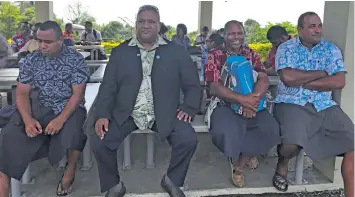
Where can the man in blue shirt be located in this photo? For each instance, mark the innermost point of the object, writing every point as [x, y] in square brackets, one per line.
[310, 68]
[50, 110]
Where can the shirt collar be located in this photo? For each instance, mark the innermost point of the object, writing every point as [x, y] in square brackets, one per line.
[299, 43]
[135, 42]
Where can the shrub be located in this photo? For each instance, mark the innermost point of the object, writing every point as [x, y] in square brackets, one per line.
[109, 45]
[262, 49]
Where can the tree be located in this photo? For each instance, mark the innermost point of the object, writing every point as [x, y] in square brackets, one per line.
[77, 13]
[28, 15]
[9, 18]
[112, 29]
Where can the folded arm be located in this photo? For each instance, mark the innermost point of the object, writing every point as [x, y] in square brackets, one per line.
[328, 83]
[296, 78]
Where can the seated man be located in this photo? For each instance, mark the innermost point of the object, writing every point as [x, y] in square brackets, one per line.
[276, 35]
[92, 37]
[310, 68]
[32, 44]
[49, 123]
[240, 137]
[139, 91]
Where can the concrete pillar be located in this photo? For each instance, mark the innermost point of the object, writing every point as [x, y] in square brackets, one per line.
[44, 11]
[205, 14]
[338, 26]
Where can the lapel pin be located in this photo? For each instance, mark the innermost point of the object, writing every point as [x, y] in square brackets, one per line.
[158, 57]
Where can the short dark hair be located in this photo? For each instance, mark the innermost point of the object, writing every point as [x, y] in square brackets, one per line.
[88, 23]
[149, 8]
[47, 25]
[235, 22]
[276, 32]
[300, 22]
[216, 38]
[37, 25]
[68, 24]
[221, 30]
[163, 28]
[182, 27]
[205, 28]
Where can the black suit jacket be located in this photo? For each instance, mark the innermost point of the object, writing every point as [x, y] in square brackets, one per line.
[173, 70]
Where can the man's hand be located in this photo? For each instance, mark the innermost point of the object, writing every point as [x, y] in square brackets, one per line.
[54, 126]
[183, 116]
[32, 127]
[101, 127]
[250, 101]
[248, 113]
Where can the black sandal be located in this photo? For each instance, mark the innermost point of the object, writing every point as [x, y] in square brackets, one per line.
[280, 182]
[60, 185]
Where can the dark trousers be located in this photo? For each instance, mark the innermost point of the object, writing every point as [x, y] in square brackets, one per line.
[17, 150]
[183, 141]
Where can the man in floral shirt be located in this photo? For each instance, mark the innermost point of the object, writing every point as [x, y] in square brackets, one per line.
[240, 137]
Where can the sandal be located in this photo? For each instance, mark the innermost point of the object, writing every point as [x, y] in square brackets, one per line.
[60, 190]
[280, 182]
[253, 163]
[237, 175]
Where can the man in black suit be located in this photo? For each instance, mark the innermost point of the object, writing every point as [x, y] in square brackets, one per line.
[141, 89]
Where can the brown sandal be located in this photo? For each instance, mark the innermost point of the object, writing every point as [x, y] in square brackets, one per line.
[237, 175]
[253, 163]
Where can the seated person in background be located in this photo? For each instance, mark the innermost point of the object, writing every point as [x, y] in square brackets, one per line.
[50, 111]
[68, 31]
[181, 37]
[240, 137]
[20, 39]
[68, 35]
[276, 35]
[163, 30]
[310, 68]
[215, 46]
[32, 44]
[92, 37]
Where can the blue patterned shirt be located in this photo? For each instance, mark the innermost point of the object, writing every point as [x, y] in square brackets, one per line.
[323, 56]
[54, 76]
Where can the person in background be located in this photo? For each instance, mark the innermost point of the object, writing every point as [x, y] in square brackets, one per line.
[68, 31]
[21, 38]
[221, 32]
[214, 42]
[215, 45]
[202, 37]
[32, 44]
[92, 37]
[163, 30]
[310, 69]
[181, 36]
[276, 36]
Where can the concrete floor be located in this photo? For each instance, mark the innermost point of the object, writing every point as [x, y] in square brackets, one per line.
[208, 170]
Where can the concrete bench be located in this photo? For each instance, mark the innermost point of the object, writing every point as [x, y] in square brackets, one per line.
[200, 127]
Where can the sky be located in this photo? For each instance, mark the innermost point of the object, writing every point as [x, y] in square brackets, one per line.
[174, 12]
